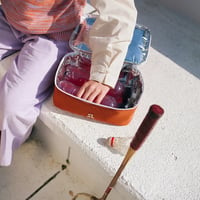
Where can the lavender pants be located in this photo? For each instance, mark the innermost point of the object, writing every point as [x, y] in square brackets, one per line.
[27, 83]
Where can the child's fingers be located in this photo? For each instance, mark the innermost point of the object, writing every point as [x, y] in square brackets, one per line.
[100, 97]
[93, 91]
[80, 92]
[93, 95]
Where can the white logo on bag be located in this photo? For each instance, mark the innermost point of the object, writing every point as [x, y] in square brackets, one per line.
[91, 116]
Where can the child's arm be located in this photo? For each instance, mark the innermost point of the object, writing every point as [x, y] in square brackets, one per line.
[109, 39]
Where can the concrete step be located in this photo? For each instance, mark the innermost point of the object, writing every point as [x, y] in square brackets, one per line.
[32, 175]
[167, 165]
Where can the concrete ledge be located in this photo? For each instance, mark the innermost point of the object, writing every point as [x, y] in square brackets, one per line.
[167, 165]
[85, 164]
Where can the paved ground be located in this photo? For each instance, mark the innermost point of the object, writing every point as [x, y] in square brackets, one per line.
[32, 175]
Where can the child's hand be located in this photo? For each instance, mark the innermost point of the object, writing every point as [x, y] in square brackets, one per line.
[93, 91]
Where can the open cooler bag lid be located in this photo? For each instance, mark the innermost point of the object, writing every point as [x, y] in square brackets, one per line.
[138, 48]
[130, 79]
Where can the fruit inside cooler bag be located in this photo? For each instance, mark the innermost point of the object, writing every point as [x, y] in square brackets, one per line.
[120, 103]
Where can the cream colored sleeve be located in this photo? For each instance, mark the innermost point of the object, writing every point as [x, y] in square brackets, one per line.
[110, 37]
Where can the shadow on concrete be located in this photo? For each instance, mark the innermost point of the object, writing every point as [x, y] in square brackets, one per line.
[173, 35]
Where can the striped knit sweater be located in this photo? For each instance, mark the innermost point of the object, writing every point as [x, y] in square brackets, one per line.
[56, 18]
[108, 39]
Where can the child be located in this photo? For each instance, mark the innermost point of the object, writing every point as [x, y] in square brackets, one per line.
[39, 31]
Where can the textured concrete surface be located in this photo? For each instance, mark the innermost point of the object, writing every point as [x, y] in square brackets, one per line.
[167, 165]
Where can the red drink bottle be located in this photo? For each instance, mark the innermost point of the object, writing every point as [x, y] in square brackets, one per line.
[109, 101]
[69, 87]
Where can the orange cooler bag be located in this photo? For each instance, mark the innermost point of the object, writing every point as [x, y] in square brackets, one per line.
[119, 105]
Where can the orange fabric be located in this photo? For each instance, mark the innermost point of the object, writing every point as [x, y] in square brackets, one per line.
[96, 112]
